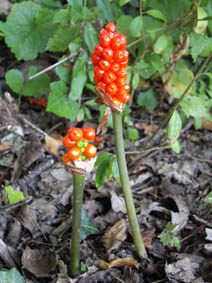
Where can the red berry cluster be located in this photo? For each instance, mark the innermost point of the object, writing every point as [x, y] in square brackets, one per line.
[78, 141]
[110, 59]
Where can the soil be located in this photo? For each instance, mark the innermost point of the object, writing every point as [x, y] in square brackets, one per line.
[167, 187]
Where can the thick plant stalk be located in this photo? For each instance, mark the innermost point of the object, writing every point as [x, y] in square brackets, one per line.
[78, 185]
[119, 143]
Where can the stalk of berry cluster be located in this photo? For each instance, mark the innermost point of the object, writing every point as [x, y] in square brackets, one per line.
[78, 187]
[123, 172]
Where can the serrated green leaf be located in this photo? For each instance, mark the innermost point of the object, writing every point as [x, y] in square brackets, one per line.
[135, 80]
[90, 36]
[194, 106]
[15, 80]
[123, 2]
[87, 227]
[61, 39]
[157, 14]
[132, 134]
[59, 103]
[77, 85]
[160, 44]
[136, 26]
[11, 276]
[13, 196]
[80, 63]
[174, 126]
[37, 86]
[28, 29]
[62, 17]
[105, 10]
[147, 99]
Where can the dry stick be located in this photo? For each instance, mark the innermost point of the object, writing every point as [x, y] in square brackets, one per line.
[163, 123]
[78, 186]
[53, 66]
[123, 172]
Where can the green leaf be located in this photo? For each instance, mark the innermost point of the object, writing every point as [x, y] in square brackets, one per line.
[175, 146]
[101, 157]
[80, 63]
[160, 44]
[63, 73]
[59, 103]
[174, 126]
[145, 69]
[136, 26]
[87, 227]
[115, 170]
[37, 86]
[157, 14]
[15, 80]
[90, 36]
[77, 85]
[102, 172]
[135, 80]
[62, 17]
[105, 10]
[61, 39]
[81, 114]
[88, 113]
[11, 276]
[147, 99]
[123, 23]
[75, 45]
[28, 29]
[13, 196]
[123, 2]
[200, 45]
[194, 106]
[132, 134]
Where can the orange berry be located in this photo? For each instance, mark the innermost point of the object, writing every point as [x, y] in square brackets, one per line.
[65, 158]
[111, 89]
[101, 85]
[122, 95]
[89, 133]
[90, 150]
[74, 153]
[110, 27]
[67, 142]
[76, 134]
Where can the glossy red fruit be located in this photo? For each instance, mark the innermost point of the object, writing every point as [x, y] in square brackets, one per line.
[124, 63]
[76, 134]
[89, 133]
[111, 89]
[114, 67]
[118, 42]
[101, 85]
[126, 87]
[74, 153]
[98, 72]
[109, 77]
[104, 65]
[95, 59]
[67, 142]
[110, 27]
[120, 55]
[122, 73]
[104, 38]
[98, 50]
[90, 151]
[96, 79]
[123, 96]
[116, 101]
[120, 82]
[65, 158]
[107, 53]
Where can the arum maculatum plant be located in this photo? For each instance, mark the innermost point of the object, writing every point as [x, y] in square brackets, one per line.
[110, 59]
[80, 159]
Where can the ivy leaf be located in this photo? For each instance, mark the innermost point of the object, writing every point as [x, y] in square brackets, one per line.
[90, 36]
[13, 196]
[15, 80]
[61, 39]
[105, 10]
[147, 99]
[11, 276]
[136, 26]
[59, 103]
[86, 227]
[28, 29]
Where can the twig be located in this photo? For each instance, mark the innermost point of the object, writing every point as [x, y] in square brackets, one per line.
[54, 65]
[141, 10]
[163, 123]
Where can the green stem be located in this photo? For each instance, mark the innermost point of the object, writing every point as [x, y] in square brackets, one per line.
[119, 143]
[78, 185]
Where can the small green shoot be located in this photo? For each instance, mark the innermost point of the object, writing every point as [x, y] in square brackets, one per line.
[13, 196]
[83, 267]
[167, 238]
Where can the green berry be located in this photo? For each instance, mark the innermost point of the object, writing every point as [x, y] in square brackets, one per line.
[83, 158]
[82, 149]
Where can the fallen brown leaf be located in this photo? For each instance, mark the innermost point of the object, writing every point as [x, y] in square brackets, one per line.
[115, 235]
[5, 146]
[148, 129]
[206, 124]
[119, 262]
[52, 144]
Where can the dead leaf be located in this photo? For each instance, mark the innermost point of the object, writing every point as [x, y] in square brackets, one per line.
[39, 262]
[119, 262]
[28, 219]
[52, 144]
[148, 129]
[6, 146]
[209, 234]
[147, 239]
[117, 203]
[104, 121]
[104, 98]
[206, 124]
[115, 235]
